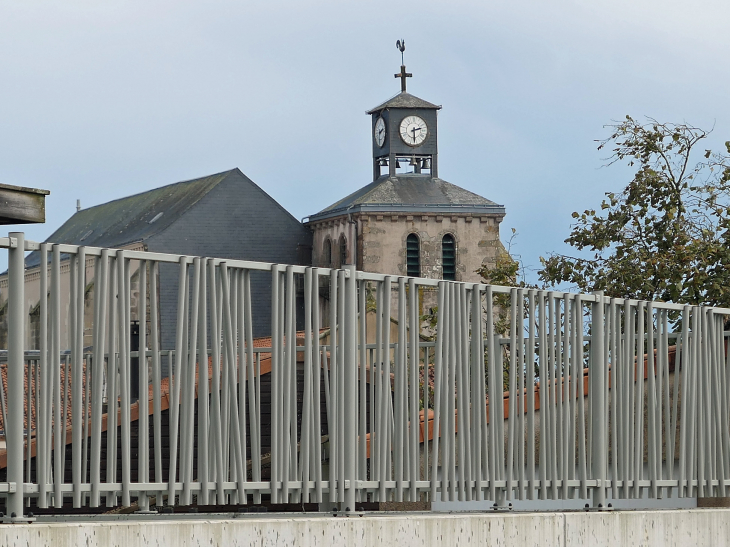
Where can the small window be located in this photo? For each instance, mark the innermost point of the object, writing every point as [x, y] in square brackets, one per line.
[413, 256]
[35, 327]
[448, 257]
[327, 253]
[343, 250]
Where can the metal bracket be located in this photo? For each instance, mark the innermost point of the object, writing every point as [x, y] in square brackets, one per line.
[18, 520]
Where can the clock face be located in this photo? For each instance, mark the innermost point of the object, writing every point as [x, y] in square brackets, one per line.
[413, 130]
[379, 132]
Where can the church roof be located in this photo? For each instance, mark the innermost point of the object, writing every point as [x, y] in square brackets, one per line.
[404, 100]
[133, 218]
[411, 193]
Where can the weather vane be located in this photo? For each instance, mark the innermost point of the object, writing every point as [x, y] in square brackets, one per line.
[401, 46]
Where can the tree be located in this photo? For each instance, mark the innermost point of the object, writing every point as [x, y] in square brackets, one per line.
[666, 235]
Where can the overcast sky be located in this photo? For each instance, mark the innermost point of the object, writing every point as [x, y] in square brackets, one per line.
[100, 100]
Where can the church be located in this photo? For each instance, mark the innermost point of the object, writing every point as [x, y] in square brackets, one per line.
[407, 221]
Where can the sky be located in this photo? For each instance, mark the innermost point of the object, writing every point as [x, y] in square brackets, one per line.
[100, 100]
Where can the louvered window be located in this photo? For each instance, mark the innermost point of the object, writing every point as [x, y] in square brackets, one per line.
[343, 250]
[413, 256]
[327, 253]
[448, 257]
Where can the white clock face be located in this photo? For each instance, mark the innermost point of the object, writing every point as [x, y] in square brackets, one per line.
[413, 130]
[379, 133]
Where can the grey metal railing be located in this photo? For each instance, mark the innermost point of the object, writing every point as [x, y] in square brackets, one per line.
[518, 394]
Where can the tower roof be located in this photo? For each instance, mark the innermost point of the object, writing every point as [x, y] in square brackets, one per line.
[404, 100]
[411, 193]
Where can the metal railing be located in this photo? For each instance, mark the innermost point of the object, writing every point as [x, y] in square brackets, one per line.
[520, 393]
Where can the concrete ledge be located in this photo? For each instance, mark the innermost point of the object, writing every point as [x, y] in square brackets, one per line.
[696, 527]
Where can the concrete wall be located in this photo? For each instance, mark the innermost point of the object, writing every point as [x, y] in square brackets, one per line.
[698, 528]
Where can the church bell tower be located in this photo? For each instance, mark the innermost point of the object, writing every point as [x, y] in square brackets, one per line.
[405, 133]
[408, 220]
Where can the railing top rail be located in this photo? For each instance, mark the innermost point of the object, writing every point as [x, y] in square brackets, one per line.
[11, 242]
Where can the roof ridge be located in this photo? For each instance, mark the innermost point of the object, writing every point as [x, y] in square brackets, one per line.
[228, 171]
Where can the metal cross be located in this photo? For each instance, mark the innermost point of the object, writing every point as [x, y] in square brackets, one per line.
[403, 75]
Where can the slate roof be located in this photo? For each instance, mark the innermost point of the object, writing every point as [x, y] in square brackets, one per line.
[411, 193]
[133, 218]
[404, 100]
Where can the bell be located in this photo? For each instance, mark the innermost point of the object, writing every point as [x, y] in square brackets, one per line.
[413, 161]
[397, 163]
[426, 164]
[383, 163]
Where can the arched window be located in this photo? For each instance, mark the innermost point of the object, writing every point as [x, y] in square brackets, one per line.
[448, 257]
[343, 250]
[413, 256]
[327, 253]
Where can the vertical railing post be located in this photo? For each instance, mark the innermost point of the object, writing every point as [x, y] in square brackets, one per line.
[597, 391]
[350, 381]
[16, 391]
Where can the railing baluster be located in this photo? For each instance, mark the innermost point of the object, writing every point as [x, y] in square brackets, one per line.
[176, 376]
[361, 314]
[614, 416]
[143, 436]
[384, 385]
[400, 410]
[530, 393]
[237, 462]
[308, 433]
[156, 378]
[253, 394]
[438, 364]
[112, 389]
[341, 402]
[453, 340]
[580, 381]
[125, 322]
[463, 402]
[350, 388]
[44, 422]
[331, 369]
[203, 445]
[16, 344]
[216, 422]
[495, 399]
[101, 273]
[187, 441]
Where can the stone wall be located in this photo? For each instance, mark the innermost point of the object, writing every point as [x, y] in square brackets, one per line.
[384, 242]
[381, 242]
